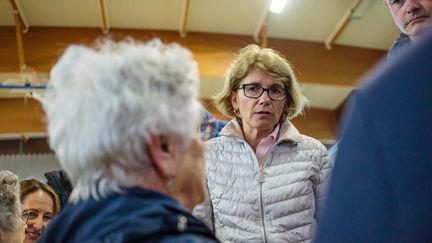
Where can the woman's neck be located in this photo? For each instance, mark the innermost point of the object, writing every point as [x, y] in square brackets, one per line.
[254, 136]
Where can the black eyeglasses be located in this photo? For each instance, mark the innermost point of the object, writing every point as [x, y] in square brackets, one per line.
[255, 91]
[25, 217]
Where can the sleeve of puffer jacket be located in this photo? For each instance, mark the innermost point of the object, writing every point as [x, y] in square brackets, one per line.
[320, 188]
[204, 212]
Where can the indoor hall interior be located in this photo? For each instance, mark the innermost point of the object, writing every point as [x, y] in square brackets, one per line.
[330, 43]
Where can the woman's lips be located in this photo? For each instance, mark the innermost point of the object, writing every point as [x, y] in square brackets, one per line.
[264, 113]
[32, 235]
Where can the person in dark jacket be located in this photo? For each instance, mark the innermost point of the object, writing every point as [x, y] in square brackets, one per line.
[210, 126]
[123, 119]
[412, 17]
[380, 189]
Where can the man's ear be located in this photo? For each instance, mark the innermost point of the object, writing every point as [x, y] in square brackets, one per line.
[161, 156]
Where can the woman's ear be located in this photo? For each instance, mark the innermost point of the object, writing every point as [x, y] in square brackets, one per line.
[161, 156]
[233, 99]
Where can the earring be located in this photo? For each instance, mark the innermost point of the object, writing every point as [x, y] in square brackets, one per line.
[283, 117]
[237, 113]
[170, 184]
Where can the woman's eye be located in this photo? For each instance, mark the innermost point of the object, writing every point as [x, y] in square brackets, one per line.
[253, 89]
[276, 91]
[32, 215]
[47, 217]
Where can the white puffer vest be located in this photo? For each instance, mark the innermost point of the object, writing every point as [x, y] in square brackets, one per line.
[275, 202]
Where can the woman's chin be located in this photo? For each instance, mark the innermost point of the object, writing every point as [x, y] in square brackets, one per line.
[264, 124]
[30, 238]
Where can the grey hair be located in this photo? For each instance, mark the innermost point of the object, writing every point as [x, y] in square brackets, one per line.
[10, 207]
[103, 103]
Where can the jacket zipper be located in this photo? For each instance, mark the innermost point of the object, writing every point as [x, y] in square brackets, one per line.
[261, 181]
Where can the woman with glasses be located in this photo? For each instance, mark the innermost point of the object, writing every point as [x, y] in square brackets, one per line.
[11, 225]
[39, 205]
[265, 180]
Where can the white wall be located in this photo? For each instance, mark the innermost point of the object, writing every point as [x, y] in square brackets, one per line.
[28, 166]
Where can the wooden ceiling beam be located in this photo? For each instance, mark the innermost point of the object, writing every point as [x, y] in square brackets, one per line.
[213, 52]
[184, 19]
[103, 14]
[16, 6]
[264, 35]
[261, 31]
[343, 22]
[18, 34]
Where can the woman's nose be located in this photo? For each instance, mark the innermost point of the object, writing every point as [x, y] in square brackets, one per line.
[265, 97]
[38, 223]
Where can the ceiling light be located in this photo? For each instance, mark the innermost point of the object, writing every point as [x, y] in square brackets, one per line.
[276, 6]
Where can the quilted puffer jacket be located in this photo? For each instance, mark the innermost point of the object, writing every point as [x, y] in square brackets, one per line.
[275, 202]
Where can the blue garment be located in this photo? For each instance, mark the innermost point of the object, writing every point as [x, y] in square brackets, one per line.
[381, 189]
[400, 43]
[210, 127]
[332, 152]
[138, 215]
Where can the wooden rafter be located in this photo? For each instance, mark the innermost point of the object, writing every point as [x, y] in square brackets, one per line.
[261, 31]
[264, 34]
[340, 26]
[103, 14]
[18, 34]
[184, 20]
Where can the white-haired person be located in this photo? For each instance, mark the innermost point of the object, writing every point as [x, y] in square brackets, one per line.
[265, 179]
[123, 119]
[12, 225]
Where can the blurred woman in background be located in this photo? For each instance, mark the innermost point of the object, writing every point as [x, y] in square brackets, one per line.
[39, 205]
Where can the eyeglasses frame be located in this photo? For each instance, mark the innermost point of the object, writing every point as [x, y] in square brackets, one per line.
[263, 90]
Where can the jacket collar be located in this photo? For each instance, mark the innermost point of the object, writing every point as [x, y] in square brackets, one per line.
[287, 131]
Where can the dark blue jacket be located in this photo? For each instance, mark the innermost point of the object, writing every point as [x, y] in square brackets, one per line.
[381, 187]
[400, 43]
[210, 127]
[137, 216]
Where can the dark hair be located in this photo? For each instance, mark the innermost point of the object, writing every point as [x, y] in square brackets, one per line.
[33, 185]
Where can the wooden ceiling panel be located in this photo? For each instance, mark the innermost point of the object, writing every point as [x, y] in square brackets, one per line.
[306, 20]
[239, 17]
[76, 13]
[6, 15]
[309, 20]
[149, 14]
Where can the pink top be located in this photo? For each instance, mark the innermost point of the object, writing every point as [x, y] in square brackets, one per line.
[265, 144]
